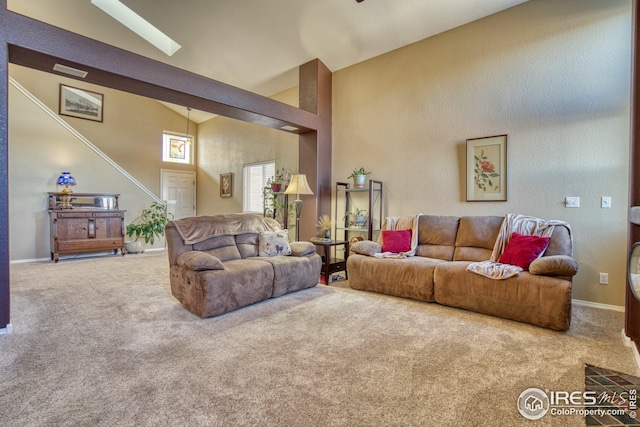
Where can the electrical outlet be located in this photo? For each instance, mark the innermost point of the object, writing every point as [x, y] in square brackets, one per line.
[604, 278]
[605, 202]
[572, 202]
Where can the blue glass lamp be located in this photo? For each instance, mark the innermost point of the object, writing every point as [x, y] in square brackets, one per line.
[67, 181]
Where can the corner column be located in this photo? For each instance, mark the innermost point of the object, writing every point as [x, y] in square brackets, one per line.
[315, 146]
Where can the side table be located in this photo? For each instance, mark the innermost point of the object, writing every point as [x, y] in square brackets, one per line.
[331, 264]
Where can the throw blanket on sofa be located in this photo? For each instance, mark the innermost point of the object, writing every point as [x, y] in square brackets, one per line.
[522, 224]
[401, 223]
[199, 228]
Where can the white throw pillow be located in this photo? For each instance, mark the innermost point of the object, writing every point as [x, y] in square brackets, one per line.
[274, 243]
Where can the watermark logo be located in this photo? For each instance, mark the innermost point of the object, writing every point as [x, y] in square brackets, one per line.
[533, 403]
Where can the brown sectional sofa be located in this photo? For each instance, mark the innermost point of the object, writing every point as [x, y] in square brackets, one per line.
[446, 245]
[215, 265]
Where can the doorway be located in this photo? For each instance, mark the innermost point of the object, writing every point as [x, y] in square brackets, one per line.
[178, 189]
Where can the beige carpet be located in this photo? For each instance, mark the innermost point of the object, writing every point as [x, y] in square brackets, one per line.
[101, 341]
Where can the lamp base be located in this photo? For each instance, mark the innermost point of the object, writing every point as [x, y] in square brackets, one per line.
[65, 199]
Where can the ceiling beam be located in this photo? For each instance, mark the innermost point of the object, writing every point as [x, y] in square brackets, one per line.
[38, 45]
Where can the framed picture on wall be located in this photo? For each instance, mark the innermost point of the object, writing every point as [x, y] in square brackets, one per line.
[80, 103]
[487, 169]
[226, 184]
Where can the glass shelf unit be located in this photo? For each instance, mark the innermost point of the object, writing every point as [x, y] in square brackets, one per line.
[349, 199]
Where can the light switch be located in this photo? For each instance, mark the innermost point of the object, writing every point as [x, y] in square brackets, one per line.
[572, 202]
[606, 202]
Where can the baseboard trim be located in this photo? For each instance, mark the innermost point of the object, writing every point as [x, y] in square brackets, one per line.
[7, 329]
[89, 255]
[634, 348]
[583, 303]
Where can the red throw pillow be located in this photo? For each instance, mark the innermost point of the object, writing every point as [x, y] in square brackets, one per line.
[523, 250]
[396, 241]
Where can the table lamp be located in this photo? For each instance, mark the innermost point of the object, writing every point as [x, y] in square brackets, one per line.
[67, 180]
[298, 186]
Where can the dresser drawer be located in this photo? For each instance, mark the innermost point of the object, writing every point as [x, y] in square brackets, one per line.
[88, 245]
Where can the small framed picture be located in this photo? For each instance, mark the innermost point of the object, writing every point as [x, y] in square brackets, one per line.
[226, 184]
[487, 169]
[81, 103]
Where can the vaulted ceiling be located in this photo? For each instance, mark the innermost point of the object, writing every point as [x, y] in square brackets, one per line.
[258, 45]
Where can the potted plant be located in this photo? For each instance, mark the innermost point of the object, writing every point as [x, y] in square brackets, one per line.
[281, 177]
[147, 226]
[360, 217]
[359, 176]
[324, 226]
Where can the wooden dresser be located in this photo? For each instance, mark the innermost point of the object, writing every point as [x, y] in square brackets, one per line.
[94, 223]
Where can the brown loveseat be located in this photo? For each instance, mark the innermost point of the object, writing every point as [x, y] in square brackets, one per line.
[216, 267]
[446, 246]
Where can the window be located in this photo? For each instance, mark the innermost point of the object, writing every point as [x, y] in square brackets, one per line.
[254, 179]
[177, 148]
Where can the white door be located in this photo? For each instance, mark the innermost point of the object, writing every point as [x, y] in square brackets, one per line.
[179, 191]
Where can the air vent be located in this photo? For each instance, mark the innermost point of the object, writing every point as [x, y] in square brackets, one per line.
[69, 70]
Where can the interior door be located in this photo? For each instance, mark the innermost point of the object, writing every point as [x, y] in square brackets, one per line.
[179, 191]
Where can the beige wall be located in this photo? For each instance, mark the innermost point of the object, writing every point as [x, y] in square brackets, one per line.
[226, 145]
[553, 75]
[40, 148]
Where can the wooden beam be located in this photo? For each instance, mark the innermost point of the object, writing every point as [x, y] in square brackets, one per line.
[315, 147]
[38, 45]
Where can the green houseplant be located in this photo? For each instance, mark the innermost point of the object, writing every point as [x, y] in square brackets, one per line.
[149, 225]
[359, 176]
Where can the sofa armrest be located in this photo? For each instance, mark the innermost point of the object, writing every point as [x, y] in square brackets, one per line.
[302, 248]
[554, 265]
[366, 247]
[197, 261]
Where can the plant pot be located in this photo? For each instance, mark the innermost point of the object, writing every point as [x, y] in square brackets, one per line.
[359, 180]
[276, 187]
[327, 233]
[135, 247]
[361, 220]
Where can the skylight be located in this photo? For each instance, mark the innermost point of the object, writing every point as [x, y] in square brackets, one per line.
[138, 25]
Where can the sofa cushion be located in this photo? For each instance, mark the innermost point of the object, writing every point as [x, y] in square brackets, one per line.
[476, 237]
[197, 260]
[410, 277]
[540, 300]
[274, 243]
[302, 248]
[554, 265]
[437, 236]
[292, 273]
[222, 247]
[247, 244]
[522, 250]
[396, 241]
[241, 283]
[366, 247]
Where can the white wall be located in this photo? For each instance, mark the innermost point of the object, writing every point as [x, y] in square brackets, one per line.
[40, 148]
[553, 75]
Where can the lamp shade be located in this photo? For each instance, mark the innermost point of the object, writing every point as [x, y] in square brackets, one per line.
[66, 179]
[298, 185]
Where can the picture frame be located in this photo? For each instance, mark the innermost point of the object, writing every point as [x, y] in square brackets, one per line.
[226, 184]
[81, 103]
[487, 169]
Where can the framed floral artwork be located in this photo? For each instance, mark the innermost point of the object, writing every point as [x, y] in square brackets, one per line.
[226, 184]
[487, 169]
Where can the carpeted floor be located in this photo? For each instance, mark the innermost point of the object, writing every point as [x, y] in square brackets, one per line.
[101, 341]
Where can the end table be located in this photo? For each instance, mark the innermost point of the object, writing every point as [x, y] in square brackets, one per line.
[332, 264]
